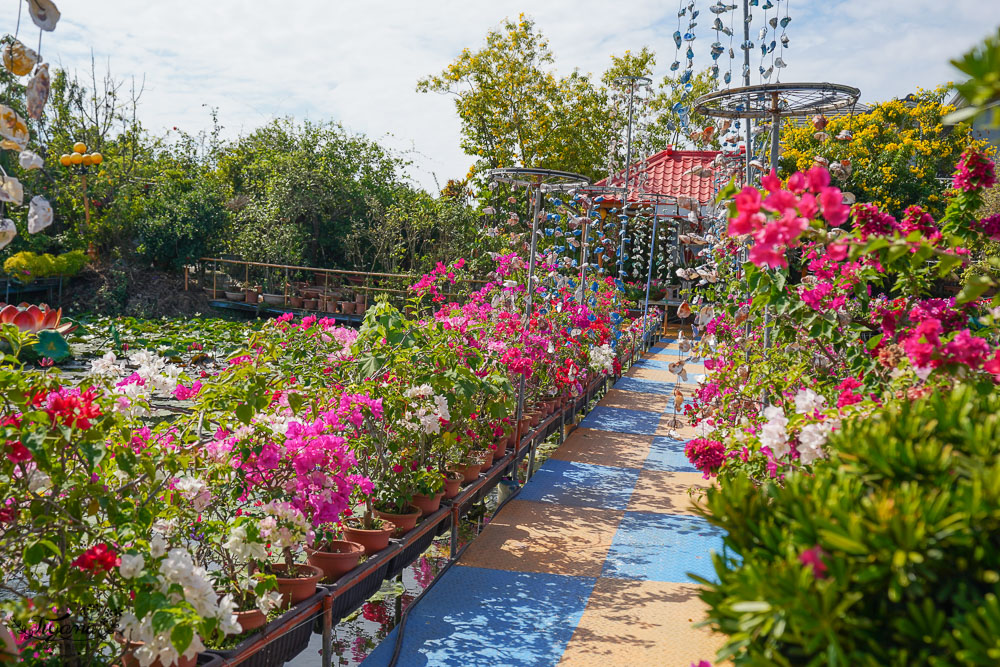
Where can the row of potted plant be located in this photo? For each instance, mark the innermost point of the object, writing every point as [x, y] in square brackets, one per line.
[192, 494]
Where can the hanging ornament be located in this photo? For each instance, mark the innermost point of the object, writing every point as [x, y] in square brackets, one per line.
[39, 214]
[11, 191]
[44, 14]
[13, 129]
[30, 161]
[18, 58]
[7, 232]
[38, 91]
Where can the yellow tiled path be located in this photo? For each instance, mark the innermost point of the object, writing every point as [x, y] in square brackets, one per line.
[588, 565]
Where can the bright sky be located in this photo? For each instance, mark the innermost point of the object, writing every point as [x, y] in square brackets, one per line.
[358, 62]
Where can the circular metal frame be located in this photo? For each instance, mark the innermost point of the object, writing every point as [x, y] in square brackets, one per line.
[777, 99]
[547, 180]
[640, 80]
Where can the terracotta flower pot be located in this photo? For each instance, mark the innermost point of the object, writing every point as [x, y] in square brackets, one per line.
[486, 459]
[337, 558]
[373, 540]
[295, 301]
[512, 439]
[331, 307]
[361, 308]
[309, 304]
[470, 472]
[298, 588]
[535, 418]
[252, 296]
[404, 522]
[251, 619]
[129, 660]
[525, 424]
[428, 504]
[501, 449]
[453, 484]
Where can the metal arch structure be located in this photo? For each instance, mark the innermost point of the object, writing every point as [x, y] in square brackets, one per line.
[544, 180]
[775, 101]
[541, 181]
[784, 99]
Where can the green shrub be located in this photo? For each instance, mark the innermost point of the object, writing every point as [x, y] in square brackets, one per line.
[28, 266]
[888, 554]
[70, 263]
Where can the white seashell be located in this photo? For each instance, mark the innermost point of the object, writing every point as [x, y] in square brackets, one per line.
[29, 160]
[44, 14]
[18, 58]
[38, 91]
[13, 128]
[7, 232]
[39, 214]
[12, 191]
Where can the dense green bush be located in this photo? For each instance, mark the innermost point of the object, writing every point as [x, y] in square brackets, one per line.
[888, 554]
[28, 266]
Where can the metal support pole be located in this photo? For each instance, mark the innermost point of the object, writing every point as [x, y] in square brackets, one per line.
[649, 274]
[328, 631]
[454, 530]
[583, 251]
[628, 173]
[529, 296]
[746, 82]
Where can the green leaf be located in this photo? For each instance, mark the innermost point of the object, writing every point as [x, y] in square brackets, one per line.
[181, 637]
[975, 286]
[843, 542]
[163, 620]
[751, 606]
[244, 413]
[51, 344]
[947, 263]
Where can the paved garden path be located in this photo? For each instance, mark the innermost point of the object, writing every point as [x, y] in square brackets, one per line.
[588, 565]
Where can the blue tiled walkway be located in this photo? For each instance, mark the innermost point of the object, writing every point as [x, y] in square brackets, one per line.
[589, 564]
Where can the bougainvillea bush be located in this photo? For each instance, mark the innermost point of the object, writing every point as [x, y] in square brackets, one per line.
[840, 537]
[149, 498]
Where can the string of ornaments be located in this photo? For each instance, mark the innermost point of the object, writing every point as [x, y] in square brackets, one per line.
[21, 60]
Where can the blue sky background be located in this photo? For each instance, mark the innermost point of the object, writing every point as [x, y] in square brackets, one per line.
[358, 62]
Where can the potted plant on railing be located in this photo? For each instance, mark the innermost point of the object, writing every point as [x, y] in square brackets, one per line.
[288, 531]
[333, 554]
[429, 488]
[239, 552]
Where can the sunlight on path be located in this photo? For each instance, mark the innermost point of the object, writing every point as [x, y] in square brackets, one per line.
[588, 565]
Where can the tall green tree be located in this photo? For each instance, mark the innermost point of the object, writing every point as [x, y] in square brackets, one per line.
[516, 111]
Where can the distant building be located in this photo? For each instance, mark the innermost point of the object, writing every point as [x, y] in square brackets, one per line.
[980, 126]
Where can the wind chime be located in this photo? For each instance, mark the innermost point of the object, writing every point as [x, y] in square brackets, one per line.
[21, 61]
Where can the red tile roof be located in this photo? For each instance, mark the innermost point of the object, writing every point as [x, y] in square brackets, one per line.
[666, 175]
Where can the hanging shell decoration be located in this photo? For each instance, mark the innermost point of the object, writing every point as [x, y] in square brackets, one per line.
[7, 232]
[39, 214]
[30, 161]
[18, 58]
[11, 191]
[44, 14]
[38, 91]
[13, 129]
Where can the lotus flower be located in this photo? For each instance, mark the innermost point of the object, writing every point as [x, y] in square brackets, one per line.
[32, 319]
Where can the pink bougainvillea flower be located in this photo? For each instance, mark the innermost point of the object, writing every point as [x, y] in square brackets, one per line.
[814, 558]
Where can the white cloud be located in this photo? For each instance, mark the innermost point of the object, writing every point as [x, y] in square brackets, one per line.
[358, 62]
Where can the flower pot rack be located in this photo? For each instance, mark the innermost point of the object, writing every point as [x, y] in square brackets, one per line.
[289, 634]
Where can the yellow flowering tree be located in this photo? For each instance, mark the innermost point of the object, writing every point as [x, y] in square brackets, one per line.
[900, 153]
